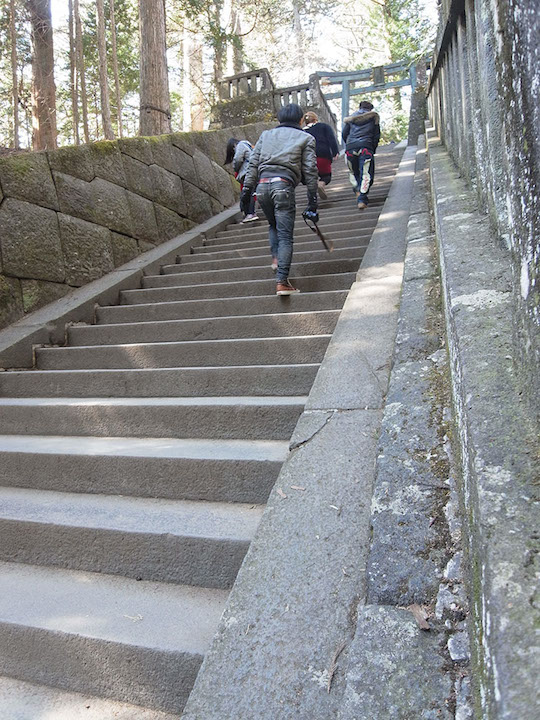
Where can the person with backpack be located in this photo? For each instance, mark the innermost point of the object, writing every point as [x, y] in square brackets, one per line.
[326, 148]
[282, 158]
[238, 153]
[361, 135]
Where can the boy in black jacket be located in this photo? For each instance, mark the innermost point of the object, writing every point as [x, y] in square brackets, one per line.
[361, 134]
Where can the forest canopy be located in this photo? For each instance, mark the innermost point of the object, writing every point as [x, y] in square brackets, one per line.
[77, 71]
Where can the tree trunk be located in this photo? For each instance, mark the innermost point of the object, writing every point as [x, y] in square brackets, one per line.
[237, 49]
[14, 78]
[115, 71]
[155, 117]
[300, 43]
[220, 46]
[196, 78]
[73, 76]
[81, 69]
[103, 79]
[43, 87]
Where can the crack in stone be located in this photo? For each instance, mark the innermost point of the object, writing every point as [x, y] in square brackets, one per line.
[295, 446]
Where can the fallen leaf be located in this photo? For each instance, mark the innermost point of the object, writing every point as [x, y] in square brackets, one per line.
[420, 615]
[333, 665]
[296, 487]
[281, 493]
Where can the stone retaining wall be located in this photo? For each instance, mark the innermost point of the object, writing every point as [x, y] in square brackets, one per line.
[485, 105]
[71, 215]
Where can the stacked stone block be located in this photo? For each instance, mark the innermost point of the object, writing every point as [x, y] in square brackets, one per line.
[71, 215]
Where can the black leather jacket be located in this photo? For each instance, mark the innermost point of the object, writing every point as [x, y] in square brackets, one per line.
[284, 151]
[362, 130]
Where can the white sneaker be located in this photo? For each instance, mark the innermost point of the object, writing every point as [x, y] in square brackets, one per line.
[250, 218]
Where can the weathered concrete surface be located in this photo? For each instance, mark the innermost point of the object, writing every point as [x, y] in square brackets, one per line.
[498, 444]
[410, 540]
[294, 603]
[485, 105]
[388, 660]
[25, 701]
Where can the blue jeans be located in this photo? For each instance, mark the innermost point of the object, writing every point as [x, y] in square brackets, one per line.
[361, 165]
[278, 202]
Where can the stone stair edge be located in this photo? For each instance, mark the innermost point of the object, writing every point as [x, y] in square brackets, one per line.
[307, 546]
[48, 325]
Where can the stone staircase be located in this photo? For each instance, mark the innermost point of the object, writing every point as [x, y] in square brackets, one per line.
[135, 463]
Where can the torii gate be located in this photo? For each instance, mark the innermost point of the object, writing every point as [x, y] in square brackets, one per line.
[416, 75]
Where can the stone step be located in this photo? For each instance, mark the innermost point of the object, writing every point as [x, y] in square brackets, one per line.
[249, 249]
[170, 541]
[257, 272]
[140, 642]
[344, 252]
[300, 231]
[305, 242]
[215, 307]
[326, 218]
[249, 418]
[236, 326]
[179, 469]
[252, 351]
[269, 380]
[27, 701]
[246, 289]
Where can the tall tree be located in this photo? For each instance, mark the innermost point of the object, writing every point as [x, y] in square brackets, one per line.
[43, 85]
[114, 51]
[103, 79]
[81, 68]
[73, 74]
[14, 74]
[155, 118]
[237, 42]
[196, 75]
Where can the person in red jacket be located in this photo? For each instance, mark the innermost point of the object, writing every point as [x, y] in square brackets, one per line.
[326, 148]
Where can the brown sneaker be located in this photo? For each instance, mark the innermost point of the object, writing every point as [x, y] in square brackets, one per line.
[362, 206]
[285, 288]
[321, 189]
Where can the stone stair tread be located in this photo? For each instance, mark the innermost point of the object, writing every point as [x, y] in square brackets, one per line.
[258, 260]
[124, 514]
[173, 618]
[159, 382]
[182, 307]
[184, 448]
[247, 401]
[233, 326]
[259, 249]
[226, 290]
[301, 269]
[21, 700]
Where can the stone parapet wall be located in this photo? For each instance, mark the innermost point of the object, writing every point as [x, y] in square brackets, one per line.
[484, 102]
[71, 215]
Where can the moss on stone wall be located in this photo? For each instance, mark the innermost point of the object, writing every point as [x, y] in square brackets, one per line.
[140, 191]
